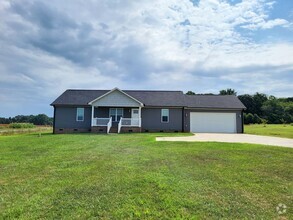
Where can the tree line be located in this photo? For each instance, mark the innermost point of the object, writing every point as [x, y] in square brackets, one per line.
[262, 108]
[40, 119]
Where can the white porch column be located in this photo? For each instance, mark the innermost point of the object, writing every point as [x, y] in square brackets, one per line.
[93, 110]
[139, 117]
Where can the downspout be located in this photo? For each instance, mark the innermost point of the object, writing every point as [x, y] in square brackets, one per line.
[183, 120]
[54, 119]
[242, 121]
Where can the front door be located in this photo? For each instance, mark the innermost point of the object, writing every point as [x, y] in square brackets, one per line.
[134, 116]
[134, 113]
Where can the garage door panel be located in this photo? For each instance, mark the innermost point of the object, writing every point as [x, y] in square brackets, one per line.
[213, 122]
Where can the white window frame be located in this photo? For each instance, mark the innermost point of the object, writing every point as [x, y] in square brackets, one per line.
[165, 115]
[116, 113]
[77, 110]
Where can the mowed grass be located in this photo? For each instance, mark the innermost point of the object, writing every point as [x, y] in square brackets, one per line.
[285, 131]
[131, 176]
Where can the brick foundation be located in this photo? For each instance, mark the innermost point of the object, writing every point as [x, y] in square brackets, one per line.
[71, 130]
[99, 129]
[159, 130]
[103, 130]
[130, 129]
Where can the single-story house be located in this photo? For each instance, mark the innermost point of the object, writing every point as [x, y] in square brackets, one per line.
[106, 111]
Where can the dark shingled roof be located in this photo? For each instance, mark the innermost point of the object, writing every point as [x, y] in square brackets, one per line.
[154, 98]
[213, 101]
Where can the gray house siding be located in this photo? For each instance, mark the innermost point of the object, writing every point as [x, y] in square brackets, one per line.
[239, 118]
[65, 120]
[151, 119]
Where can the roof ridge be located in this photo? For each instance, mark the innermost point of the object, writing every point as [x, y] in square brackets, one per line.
[209, 95]
[134, 90]
[129, 90]
[87, 89]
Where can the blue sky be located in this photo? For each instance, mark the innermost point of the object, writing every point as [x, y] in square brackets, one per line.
[203, 46]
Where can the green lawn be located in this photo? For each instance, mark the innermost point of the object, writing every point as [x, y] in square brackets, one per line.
[270, 130]
[131, 176]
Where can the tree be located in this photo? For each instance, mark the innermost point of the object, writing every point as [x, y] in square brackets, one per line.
[41, 119]
[256, 119]
[228, 92]
[264, 122]
[273, 111]
[248, 118]
[248, 101]
[258, 100]
[190, 93]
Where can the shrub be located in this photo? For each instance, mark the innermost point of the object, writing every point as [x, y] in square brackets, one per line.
[283, 121]
[248, 118]
[21, 125]
[256, 119]
[252, 119]
[264, 122]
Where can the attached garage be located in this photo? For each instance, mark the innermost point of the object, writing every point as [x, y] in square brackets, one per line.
[213, 122]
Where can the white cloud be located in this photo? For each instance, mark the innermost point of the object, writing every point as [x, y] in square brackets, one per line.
[262, 24]
[169, 44]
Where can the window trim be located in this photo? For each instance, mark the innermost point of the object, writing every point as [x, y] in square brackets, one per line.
[116, 113]
[165, 115]
[77, 109]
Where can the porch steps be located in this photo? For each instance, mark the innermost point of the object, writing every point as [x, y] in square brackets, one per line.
[113, 130]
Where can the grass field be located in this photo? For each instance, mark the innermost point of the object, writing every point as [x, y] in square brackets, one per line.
[270, 130]
[131, 176]
[6, 130]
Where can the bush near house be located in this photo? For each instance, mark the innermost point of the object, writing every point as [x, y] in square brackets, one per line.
[21, 125]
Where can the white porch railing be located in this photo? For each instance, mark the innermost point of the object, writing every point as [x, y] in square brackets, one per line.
[129, 122]
[107, 122]
[120, 125]
[109, 125]
[100, 121]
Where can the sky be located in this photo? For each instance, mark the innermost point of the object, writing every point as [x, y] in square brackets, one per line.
[47, 47]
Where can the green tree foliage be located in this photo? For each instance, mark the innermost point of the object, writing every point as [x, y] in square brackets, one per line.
[193, 93]
[254, 102]
[40, 119]
[248, 118]
[273, 111]
[262, 107]
[228, 92]
[259, 100]
[190, 93]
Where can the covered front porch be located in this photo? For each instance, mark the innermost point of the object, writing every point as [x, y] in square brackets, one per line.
[116, 111]
[116, 119]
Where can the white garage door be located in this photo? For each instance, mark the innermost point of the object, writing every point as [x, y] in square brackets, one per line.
[212, 122]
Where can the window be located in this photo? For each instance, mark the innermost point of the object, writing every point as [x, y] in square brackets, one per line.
[79, 114]
[116, 113]
[165, 115]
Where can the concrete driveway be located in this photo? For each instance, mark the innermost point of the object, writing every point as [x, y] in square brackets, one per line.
[233, 138]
